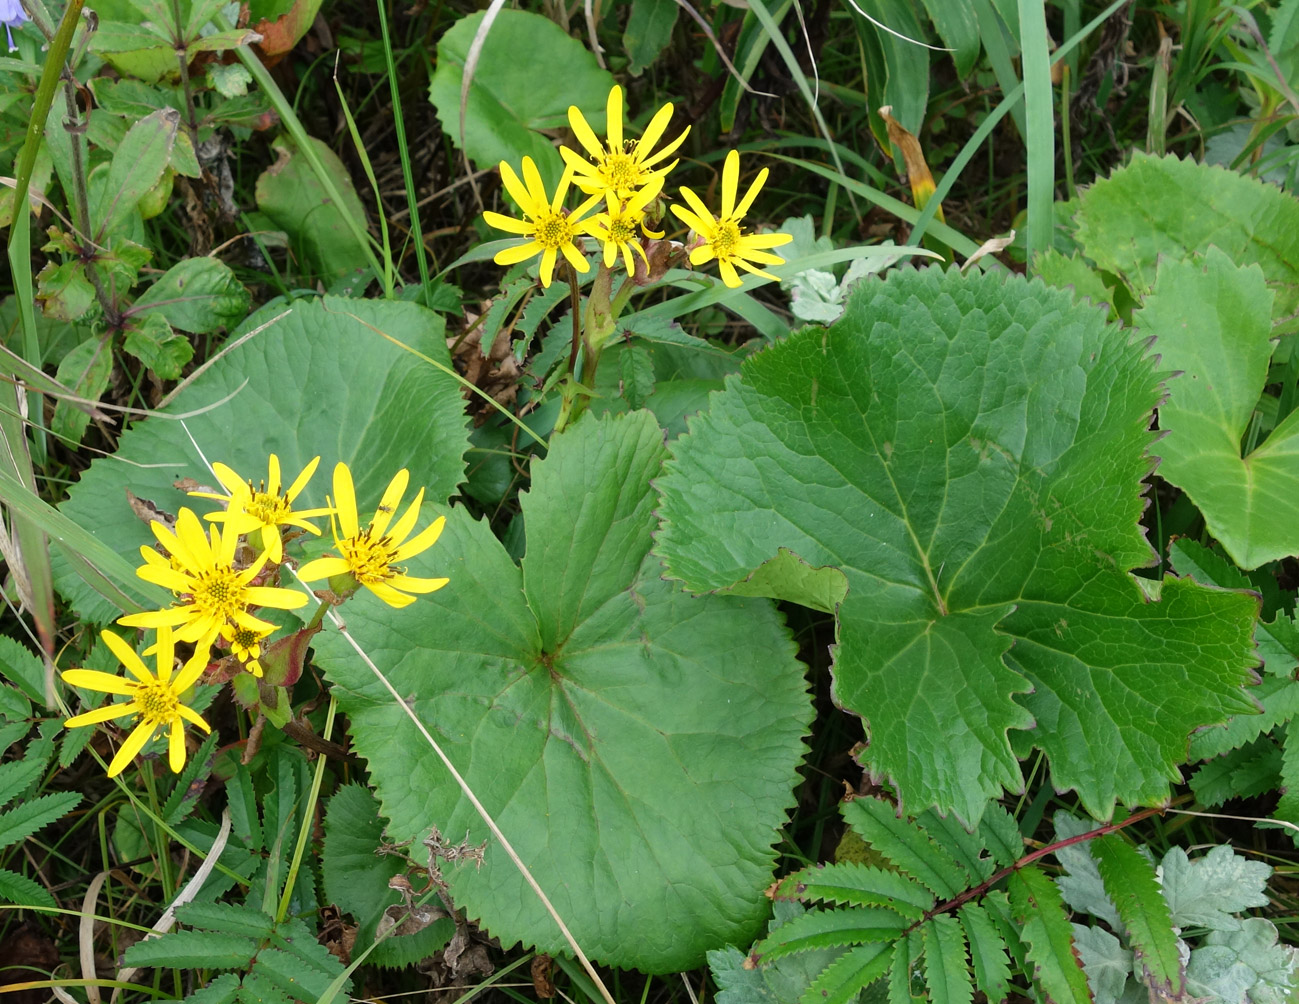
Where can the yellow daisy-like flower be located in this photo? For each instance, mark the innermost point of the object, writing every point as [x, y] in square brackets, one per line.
[265, 507]
[154, 699]
[616, 228]
[550, 230]
[213, 591]
[246, 645]
[722, 237]
[371, 555]
[624, 165]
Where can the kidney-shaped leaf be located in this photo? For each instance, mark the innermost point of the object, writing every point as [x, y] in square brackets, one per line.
[1167, 207]
[968, 452]
[1211, 323]
[511, 98]
[317, 379]
[636, 745]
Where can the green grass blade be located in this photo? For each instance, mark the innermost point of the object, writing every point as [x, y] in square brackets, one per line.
[403, 150]
[1040, 138]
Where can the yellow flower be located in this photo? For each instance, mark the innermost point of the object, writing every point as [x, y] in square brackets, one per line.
[265, 507]
[722, 238]
[246, 645]
[370, 556]
[155, 700]
[549, 228]
[201, 571]
[623, 166]
[615, 229]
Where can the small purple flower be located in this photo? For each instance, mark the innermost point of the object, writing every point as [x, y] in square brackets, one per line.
[11, 16]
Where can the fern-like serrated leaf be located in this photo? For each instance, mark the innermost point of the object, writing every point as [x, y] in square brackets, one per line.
[997, 906]
[490, 325]
[906, 952]
[11, 732]
[1001, 835]
[1131, 883]
[73, 744]
[184, 794]
[22, 891]
[842, 980]
[906, 845]
[19, 775]
[1250, 770]
[298, 940]
[26, 818]
[1048, 936]
[987, 953]
[226, 918]
[831, 929]
[1287, 808]
[257, 989]
[856, 884]
[966, 848]
[221, 990]
[192, 950]
[291, 974]
[947, 972]
[535, 311]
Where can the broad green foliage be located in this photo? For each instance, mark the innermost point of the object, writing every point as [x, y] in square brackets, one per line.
[968, 452]
[1212, 321]
[636, 745]
[293, 198]
[1163, 206]
[510, 98]
[317, 378]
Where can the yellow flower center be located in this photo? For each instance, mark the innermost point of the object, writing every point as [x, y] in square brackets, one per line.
[219, 592]
[268, 508]
[157, 702]
[242, 639]
[725, 239]
[621, 171]
[622, 229]
[553, 231]
[368, 558]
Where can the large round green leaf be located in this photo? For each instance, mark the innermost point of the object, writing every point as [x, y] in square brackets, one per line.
[637, 746]
[1166, 207]
[528, 73]
[967, 452]
[1211, 323]
[320, 380]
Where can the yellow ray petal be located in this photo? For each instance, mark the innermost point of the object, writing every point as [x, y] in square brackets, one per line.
[422, 541]
[345, 500]
[107, 713]
[134, 743]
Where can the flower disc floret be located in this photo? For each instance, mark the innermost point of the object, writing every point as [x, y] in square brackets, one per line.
[723, 237]
[616, 228]
[550, 231]
[263, 508]
[372, 555]
[155, 698]
[246, 646]
[212, 591]
[622, 166]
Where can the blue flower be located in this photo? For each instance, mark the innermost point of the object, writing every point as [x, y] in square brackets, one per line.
[11, 16]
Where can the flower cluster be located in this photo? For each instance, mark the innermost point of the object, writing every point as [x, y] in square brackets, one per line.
[222, 577]
[626, 177]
